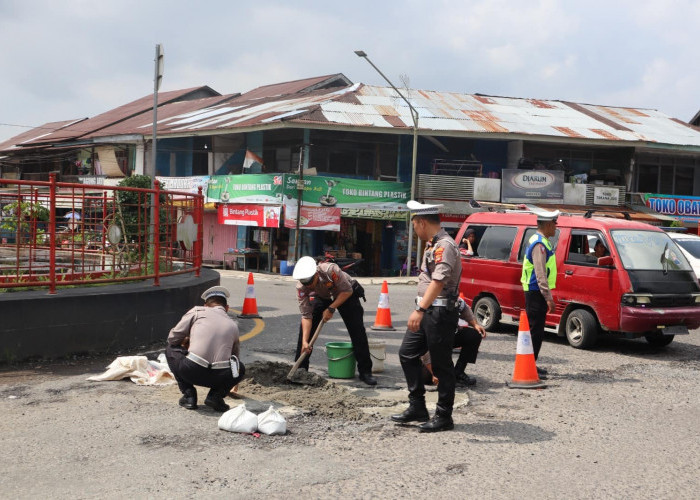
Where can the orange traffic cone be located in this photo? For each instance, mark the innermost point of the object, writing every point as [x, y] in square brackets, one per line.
[250, 305]
[525, 370]
[383, 319]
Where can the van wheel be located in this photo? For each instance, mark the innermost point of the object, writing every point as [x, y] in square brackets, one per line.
[658, 340]
[581, 329]
[488, 313]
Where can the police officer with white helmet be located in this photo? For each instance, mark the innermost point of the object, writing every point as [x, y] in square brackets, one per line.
[332, 290]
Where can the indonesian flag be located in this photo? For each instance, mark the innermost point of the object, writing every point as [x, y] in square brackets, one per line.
[250, 160]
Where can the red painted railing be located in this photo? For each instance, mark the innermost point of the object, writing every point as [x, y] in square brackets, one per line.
[63, 234]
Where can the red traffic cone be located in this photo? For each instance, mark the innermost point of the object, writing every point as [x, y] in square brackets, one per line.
[383, 319]
[250, 305]
[525, 370]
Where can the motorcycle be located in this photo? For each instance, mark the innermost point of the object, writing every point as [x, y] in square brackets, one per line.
[349, 265]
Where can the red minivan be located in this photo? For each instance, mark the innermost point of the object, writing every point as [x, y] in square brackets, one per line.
[642, 285]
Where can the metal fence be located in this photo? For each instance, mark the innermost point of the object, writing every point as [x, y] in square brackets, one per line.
[57, 234]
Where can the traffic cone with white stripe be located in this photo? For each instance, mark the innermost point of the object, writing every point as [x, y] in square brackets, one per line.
[383, 319]
[525, 370]
[250, 305]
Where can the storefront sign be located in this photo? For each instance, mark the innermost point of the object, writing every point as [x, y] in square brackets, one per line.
[246, 188]
[249, 215]
[348, 193]
[186, 184]
[685, 207]
[606, 196]
[318, 218]
[372, 213]
[519, 186]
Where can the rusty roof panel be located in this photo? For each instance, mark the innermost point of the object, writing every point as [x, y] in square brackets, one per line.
[365, 106]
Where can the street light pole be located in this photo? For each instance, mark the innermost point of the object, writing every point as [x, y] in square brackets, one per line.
[414, 116]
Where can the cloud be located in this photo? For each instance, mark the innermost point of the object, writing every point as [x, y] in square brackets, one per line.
[75, 58]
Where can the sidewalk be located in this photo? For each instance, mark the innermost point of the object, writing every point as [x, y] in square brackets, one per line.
[363, 280]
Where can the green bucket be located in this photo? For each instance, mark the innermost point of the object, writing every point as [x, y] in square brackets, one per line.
[341, 360]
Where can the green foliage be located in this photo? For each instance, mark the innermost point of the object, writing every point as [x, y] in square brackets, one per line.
[676, 223]
[30, 214]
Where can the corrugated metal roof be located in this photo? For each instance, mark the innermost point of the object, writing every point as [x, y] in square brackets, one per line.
[117, 115]
[367, 107]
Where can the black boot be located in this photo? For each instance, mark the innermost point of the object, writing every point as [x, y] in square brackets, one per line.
[465, 380]
[416, 412]
[216, 402]
[189, 399]
[367, 378]
[438, 423]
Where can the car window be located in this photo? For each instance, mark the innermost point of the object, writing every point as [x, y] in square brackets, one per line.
[496, 242]
[649, 251]
[479, 234]
[692, 246]
[582, 247]
[526, 241]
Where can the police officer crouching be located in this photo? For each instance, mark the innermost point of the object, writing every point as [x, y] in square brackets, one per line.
[203, 349]
[333, 289]
[431, 327]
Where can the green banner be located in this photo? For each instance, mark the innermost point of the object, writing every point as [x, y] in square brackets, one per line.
[348, 193]
[245, 188]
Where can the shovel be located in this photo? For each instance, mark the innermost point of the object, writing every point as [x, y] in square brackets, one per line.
[304, 354]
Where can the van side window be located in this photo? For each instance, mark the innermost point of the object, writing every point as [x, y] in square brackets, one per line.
[526, 241]
[582, 248]
[464, 246]
[497, 242]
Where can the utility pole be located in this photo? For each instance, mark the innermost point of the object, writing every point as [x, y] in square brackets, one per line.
[300, 194]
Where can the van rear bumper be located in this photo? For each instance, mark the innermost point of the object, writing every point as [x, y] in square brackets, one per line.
[640, 319]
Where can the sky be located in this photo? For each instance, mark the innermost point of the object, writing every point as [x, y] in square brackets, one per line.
[69, 59]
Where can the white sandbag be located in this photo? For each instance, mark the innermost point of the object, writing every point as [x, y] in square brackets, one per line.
[239, 419]
[271, 422]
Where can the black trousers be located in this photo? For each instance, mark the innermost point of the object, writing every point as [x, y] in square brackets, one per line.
[536, 310]
[435, 334]
[352, 313]
[188, 374]
[469, 340]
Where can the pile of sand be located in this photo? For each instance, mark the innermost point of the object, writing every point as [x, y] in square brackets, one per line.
[265, 380]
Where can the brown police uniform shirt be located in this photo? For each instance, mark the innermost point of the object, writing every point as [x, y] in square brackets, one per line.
[213, 333]
[331, 282]
[441, 262]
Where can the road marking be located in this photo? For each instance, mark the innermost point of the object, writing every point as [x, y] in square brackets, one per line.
[259, 327]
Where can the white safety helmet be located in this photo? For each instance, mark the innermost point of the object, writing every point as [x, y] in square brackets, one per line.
[304, 269]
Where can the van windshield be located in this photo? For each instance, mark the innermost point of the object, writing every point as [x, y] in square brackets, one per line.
[649, 251]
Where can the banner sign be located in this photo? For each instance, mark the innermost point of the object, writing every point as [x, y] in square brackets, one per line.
[371, 213]
[606, 195]
[245, 188]
[682, 207]
[317, 218]
[522, 186]
[340, 192]
[188, 185]
[249, 215]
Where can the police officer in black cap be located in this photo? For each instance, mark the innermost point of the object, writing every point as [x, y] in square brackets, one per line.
[432, 325]
[201, 350]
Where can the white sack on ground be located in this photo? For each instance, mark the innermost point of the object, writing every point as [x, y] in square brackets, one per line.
[271, 422]
[139, 369]
[239, 419]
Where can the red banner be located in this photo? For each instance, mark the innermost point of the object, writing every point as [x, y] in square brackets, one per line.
[318, 218]
[249, 215]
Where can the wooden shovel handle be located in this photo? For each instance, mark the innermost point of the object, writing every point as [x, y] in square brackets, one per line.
[303, 355]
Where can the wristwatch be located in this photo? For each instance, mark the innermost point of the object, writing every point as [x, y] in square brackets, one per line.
[331, 309]
[419, 308]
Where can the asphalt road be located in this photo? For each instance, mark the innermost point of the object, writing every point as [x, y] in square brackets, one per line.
[619, 421]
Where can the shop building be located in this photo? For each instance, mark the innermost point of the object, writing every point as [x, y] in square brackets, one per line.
[472, 149]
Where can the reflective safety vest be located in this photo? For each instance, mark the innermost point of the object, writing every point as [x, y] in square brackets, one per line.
[528, 278]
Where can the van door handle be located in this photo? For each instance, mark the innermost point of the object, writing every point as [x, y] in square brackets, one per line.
[568, 272]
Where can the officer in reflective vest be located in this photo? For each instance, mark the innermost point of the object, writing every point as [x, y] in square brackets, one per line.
[539, 278]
